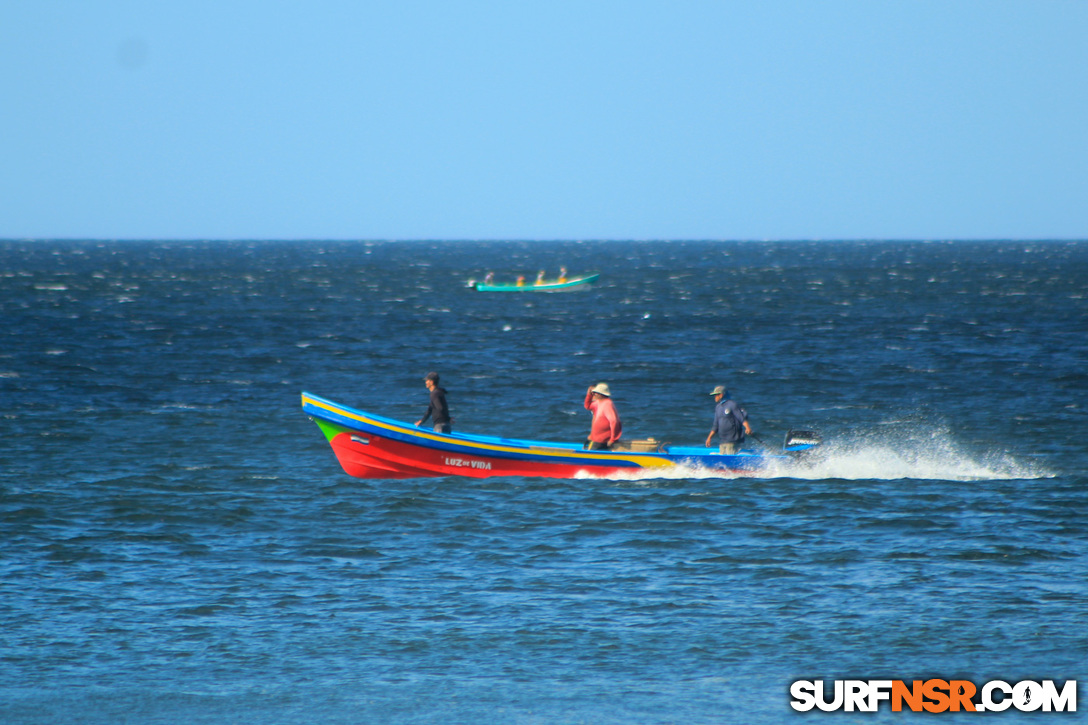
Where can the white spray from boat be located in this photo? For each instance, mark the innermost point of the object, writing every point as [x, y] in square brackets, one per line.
[881, 454]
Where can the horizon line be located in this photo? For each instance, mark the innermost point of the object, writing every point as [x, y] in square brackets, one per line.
[493, 240]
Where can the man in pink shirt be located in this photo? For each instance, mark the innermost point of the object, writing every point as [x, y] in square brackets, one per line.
[606, 427]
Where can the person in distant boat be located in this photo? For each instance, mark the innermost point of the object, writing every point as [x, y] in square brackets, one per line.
[489, 277]
[606, 427]
[562, 275]
[730, 422]
[521, 281]
[539, 277]
[438, 410]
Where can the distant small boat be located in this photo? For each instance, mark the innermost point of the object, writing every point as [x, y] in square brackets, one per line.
[371, 446]
[569, 286]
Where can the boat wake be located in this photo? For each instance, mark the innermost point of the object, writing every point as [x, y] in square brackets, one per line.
[940, 458]
[677, 473]
[878, 455]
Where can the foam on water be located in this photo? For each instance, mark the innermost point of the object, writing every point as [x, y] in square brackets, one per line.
[673, 473]
[882, 455]
[873, 455]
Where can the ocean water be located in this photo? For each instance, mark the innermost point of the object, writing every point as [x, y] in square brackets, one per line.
[178, 543]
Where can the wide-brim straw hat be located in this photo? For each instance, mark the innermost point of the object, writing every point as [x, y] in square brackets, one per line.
[602, 389]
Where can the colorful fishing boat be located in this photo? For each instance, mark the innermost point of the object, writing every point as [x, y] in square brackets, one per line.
[371, 446]
[567, 285]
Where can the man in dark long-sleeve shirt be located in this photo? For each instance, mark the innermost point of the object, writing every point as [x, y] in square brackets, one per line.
[438, 410]
[730, 422]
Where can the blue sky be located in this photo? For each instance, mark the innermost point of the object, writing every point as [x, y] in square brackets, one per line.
[832, 119]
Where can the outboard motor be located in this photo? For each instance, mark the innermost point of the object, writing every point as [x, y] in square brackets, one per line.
[798, 441]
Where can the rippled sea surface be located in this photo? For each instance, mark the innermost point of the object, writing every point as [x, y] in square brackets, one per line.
[178, 543]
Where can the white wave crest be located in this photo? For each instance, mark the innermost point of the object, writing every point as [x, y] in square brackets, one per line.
[938, 457]
[876, 455]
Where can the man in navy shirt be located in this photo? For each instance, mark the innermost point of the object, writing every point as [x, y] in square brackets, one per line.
[730, 422]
